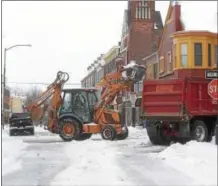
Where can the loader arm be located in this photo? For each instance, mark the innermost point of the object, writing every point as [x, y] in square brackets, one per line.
[113, 83]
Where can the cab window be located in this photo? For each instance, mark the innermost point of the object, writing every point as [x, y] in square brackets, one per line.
[67, 103]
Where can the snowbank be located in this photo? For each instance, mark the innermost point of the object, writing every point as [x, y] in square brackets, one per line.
[197, 160]
[12, 149]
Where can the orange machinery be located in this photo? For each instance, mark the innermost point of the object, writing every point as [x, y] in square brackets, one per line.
[103, 119]
[76, 114]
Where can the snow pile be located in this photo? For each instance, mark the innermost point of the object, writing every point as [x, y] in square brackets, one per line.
[93, 162]
[198, 160]
[12, 149]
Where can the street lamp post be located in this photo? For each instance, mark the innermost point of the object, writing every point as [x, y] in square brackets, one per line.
[4, 77]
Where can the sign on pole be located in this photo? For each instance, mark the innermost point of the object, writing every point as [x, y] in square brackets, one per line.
[213, 89]
[211, 74]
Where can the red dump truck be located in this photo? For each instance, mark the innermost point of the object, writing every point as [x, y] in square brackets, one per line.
[178, 110]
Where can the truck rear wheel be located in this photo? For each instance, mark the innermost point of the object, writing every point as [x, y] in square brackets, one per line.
[69, 129]
[155, 134]
[199, 131]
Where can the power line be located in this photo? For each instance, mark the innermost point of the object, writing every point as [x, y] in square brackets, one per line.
[40, 83]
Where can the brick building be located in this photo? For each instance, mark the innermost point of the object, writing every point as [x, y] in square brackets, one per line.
[162, 65]
[142, 27]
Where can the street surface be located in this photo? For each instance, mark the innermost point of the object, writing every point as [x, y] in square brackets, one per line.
[44, 159]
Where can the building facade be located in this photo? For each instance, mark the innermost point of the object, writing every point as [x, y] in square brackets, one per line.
[5, 101]
[110, 59]
[142, 28]
[95, 73]
[16, 104]
[141, 32]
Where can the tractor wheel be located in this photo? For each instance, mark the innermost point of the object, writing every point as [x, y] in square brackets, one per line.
[83, 137]
[123, 135]
[108, 133]
[69, 129]
[199, 131]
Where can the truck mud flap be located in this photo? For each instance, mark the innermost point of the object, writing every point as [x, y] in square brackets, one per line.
[151, 127]
[155, 135]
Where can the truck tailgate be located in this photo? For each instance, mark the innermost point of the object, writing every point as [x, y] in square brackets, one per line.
[162, 97]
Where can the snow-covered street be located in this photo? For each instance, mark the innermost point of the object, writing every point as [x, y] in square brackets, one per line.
[44, 159]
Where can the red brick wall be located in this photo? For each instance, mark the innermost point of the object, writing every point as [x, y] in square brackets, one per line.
[141, 36]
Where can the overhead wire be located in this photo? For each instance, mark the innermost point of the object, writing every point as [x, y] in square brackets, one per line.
[39, 83]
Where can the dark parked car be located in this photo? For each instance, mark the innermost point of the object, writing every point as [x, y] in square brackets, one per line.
[21, 123]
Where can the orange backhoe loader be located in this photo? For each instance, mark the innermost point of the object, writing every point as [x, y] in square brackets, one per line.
[86, 115]
[76, 114]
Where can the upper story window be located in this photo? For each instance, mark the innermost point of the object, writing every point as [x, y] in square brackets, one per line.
[143, 11]
[198, 54]
[184, 55]
[169, 64]
[155, 68]
[209, 55]
[174, 56]
[161, 65]
[216, 55]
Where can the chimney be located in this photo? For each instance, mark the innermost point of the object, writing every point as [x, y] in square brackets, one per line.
[177, 14]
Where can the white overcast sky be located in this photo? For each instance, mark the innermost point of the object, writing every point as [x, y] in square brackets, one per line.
[70, 35]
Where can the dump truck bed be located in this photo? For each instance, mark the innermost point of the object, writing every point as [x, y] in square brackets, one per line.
[175, 98]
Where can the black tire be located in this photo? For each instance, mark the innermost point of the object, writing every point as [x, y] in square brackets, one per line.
[83, 136]
[32, 131]
[199, 131]
[123, 135]
[108, 133]
[11, 132]
[154, 131]
[76, 127]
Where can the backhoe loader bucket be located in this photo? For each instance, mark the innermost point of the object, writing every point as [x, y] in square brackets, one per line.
[133, 72]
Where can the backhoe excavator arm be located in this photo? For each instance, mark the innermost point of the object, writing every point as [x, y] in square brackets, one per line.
[53, 90]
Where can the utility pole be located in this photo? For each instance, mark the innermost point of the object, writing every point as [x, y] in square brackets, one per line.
[4, 78]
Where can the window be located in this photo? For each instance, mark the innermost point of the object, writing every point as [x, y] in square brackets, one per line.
[184, 55]
[209, 55]
[67, 103]
[198, 54]
[143, 11]
[155, 70]
[169, 65]
[161, 66]
[174, 55]
[150, 71]
[216, 55]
